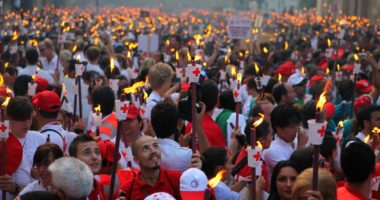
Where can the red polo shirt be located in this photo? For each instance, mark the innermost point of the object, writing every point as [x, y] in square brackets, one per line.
[212, 130]
[97, 191]
[167, 182]
[346, 193]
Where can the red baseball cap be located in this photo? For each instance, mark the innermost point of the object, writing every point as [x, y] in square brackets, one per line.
[362, 101]
[47, 101]
[323, 64]
[13, 154]
[316, 78]
[42, 83]
[348, 67]
[4, 93]
[363, 86]
[287, 68]
[133, 112]
[107, 149]
[329, 109]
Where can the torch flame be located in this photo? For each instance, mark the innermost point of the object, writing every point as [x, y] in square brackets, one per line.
[303, 71]
[112, 64]
[97, 109]
[176, 56]
[239, 77]
[328, 42]
[74, 49]
[188, 56]
[5, 103]
[15, 36]
[338, 67]
[257, 68]
[356, 57]
[258, 143]
[168, 42]
[1, 81]
[366, 139]
[259, 121]
[214, 181]
[265, 49]
[340, 124]
[286, 45]
[321, 101]
[78, 57]
[233, 71]
[376, 130]
[279, 77]
[145, 95]
[134, 87]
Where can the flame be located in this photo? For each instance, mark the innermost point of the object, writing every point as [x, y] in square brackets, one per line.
[321, 101]
[356, 57]
[214, 181]
[286, 45]
[176, 56]
[1, 81]
[6, 65]
[338, 67]
[197, 38]
[188, 56]
[134, 87]
[257, 68]
[376, 130]
[340, 124]
[279, 77]
[145, 95]
[5, 103]
[327, 70]
[265, 50]
[328, 42]
[78, 58]
[226, 58]
[112, 64]
[259, 121]
[129, 55]
[74, 49]
[167, 42]
[233, 71]
[258, 143]
[15, 36]
[239, 77]
[97, 109]
[366, 139]
[197, 58]
[303, 71]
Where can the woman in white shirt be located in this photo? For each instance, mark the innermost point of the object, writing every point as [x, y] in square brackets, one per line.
[44, 155]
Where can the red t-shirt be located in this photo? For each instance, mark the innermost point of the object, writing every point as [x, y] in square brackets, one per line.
[167, 182]
[97, 191]
[346, 193]
[375, 183]
[247, 171]
[212, 130]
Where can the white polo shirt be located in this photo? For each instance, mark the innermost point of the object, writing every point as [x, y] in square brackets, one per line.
[52, 65]
[152, 100]
[173, 156]
[279, 150]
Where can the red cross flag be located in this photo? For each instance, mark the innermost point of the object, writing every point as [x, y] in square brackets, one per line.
[254, 157]
[121, 109]
[329, 52]
[237, 95]
[316, 132]
[199, 53]
[114, 84]
[4, 129]
[79, 69]
[180, 72]
[193, 72]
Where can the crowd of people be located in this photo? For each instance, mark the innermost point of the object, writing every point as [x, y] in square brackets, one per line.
[64, 72]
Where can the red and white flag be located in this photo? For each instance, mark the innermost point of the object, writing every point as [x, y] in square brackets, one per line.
[193, 72]
[121, 109]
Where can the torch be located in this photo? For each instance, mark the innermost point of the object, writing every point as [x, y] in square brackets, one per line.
[79, 68]
[4, 134]
[97, 118]
[375, 139]
[237, 98]
[356, 71]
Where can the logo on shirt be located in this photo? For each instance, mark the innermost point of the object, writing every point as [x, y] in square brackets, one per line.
[194, 183]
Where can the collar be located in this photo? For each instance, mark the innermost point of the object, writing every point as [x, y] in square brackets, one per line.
[161, 180]
[167, 141]
[355, 193]
[361, 136]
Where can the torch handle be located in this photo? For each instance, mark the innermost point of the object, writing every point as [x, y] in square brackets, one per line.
[114, 164]
[316, 166]
[80, 97]
[193, 117]
[3, 152]
[253, 184]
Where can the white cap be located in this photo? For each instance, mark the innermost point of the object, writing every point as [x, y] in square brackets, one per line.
[295, 78]
[193, 179]
[160, 196]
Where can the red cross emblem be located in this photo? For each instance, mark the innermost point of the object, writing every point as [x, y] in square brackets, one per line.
[236, 93]
[196, 72]
[124, 154]
[124, 108]
[181, 71]
[257, 156]
[3, 128]
[321, 131]
[142, 111]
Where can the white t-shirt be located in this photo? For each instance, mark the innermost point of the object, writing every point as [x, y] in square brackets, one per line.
[59, 139]
[173, 156]
[32, 187]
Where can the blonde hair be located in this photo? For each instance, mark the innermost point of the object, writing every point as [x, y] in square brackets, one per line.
[326, 184]
[159, 74]
[65, 56]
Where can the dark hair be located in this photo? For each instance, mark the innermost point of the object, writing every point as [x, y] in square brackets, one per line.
[226, 100]
[48, 115]
[262, 130]
[104, 96]
[273, 193]
[364, 114]
[302, 158]
[41, 195]
[31, 56]
[284, 115]
[11, 71]
[308, 112]
[19, 109]
[357, 161]
[20, 86]
[164, 119]
[93, 53]
[328, 146]
[278, 91]
[209, 94]
[346, 89]
[43, 152]
[213, 157]
[73, 148]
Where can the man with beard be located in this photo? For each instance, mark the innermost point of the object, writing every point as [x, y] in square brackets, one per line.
[151, 178]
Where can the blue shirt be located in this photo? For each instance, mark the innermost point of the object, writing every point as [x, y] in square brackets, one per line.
[223, 192]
